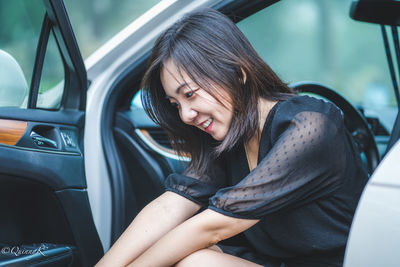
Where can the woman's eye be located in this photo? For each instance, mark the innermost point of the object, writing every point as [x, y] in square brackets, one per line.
[190, 93]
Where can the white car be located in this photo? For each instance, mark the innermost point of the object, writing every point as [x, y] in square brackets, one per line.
[79, 157]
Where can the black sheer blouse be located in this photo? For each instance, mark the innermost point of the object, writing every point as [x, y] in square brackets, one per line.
[304, 189]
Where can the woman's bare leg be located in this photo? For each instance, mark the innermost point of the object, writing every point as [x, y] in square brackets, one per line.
[212, 257]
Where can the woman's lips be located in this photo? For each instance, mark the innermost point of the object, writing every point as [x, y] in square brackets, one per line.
[209, 128]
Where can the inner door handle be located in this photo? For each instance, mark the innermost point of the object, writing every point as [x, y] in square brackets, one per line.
[42, 141]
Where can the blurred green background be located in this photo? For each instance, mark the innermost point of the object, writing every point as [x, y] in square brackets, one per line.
[301, 40]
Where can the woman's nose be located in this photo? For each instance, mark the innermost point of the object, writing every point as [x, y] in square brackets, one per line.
[188, 114]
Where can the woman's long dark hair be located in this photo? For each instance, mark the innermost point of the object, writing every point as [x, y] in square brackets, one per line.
[210, 48]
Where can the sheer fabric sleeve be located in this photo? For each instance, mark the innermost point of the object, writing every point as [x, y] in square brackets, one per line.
[306, 162]
[198, 188]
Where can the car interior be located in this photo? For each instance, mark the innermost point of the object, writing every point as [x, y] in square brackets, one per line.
[139, 157]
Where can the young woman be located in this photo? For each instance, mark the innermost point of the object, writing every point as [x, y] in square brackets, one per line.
[276, 171]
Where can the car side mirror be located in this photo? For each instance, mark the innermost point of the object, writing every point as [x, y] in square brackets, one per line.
[386, 12]
[13, 85]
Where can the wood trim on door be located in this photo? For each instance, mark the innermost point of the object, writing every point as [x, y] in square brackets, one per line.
[11, 131]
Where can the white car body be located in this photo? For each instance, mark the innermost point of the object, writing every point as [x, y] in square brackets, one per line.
[374, 238]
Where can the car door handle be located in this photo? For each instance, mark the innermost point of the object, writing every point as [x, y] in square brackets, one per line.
[42, 141]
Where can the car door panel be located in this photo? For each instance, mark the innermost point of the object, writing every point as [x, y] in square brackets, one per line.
[46, 191]
[57, 170]
[34, 181]
[42, 174]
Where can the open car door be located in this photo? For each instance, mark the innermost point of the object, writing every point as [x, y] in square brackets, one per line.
[46, 218]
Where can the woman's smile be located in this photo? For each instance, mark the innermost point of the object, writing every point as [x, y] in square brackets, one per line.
[207, 124]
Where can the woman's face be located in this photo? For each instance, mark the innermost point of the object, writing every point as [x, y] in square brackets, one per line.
[197, 107]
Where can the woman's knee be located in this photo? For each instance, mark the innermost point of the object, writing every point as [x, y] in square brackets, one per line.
[213, 256]
[197, 258]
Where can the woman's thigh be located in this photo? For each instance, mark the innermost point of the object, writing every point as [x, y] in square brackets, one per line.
[212, 258]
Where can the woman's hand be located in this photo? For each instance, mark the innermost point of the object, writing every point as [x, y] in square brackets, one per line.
[200, 231]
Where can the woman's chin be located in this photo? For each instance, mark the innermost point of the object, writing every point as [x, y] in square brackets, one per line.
[218, 137]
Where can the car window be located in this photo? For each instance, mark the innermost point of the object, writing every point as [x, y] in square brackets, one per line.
[137, 101]
[21, 22]
[316, 40]
[95, 22]
[19, 33]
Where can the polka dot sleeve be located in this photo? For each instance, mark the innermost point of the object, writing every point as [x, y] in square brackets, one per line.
[306, 162]
[198, 188]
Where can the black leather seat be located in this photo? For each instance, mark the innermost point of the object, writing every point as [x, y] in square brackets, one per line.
[38, 255]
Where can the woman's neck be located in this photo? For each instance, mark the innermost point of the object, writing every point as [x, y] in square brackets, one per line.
[264, 107]
[251, 147]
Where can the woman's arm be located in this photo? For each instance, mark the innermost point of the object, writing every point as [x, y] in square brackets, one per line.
[155, 220]
[200, 231]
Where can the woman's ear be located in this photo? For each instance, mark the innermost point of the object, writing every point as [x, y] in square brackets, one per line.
[244, 75]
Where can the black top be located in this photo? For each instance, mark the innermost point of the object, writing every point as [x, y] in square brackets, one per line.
[304, 189]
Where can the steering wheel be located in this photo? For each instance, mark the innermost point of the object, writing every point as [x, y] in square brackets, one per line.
[353, 120]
